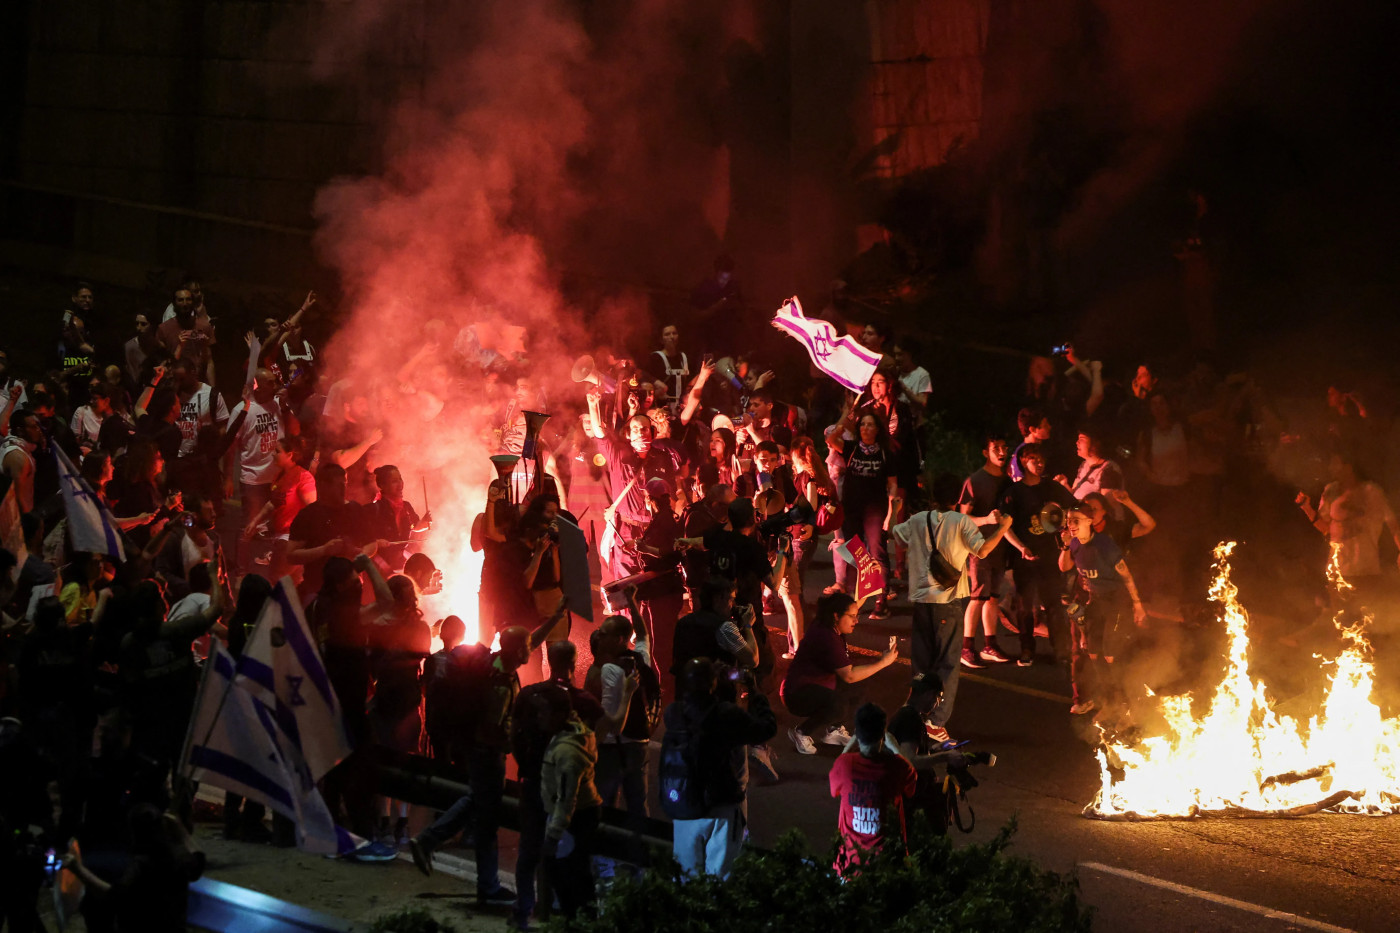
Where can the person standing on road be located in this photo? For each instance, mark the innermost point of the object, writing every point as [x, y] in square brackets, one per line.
[529, 741]
[1039, 583]
[940, 542]
[717, 730]
[1103, 631]
[821, 681]
[571, 801]
[981, 494]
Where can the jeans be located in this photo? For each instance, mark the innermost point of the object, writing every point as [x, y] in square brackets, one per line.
[527, 859]
[255, 496]
[869, 524]
[711, 844]
[478, 812]
[936, 645]
[572, 874]
[823, 706]
[1039, 585]
[622, 769]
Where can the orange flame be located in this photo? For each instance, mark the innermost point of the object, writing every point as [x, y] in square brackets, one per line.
[1240, 756]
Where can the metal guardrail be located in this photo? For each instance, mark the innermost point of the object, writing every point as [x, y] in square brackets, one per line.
[435, 784]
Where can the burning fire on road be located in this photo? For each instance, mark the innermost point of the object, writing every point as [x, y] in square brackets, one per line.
[1239, 758]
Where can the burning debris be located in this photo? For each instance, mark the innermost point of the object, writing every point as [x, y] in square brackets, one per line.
[1241, 759]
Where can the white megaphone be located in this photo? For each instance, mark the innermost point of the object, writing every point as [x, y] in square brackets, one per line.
[725, 367]
[585, 371]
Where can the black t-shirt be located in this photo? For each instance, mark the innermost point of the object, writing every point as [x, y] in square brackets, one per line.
[661, 535]
[741, 558]
[1096, 563]
[503, 591]
[319, 523]
[698, 520]
[1023, 503]
[867, 472]
[166, 436]
[984, 491]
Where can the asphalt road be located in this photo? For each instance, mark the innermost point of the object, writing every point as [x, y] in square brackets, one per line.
[1322, 872]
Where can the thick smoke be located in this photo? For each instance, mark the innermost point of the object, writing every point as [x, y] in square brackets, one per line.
[531, 142]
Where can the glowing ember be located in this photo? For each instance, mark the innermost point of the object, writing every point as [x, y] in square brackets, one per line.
[1241, 758]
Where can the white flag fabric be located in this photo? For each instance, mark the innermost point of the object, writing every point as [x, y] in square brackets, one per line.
[90, 523]
[842, 358]
[282, 668]
[235, 743]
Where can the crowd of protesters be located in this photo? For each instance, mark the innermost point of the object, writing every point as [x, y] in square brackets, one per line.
[705, 488]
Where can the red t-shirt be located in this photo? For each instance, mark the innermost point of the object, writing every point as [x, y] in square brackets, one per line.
[872, 792]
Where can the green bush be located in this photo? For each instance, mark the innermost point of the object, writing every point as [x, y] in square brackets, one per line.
[936, 887]
[946, 449]
[410, 920]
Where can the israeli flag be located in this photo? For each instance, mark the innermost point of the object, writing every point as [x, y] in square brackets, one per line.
[843, 358]
[281, 668]
[90, 523]
[234, 742]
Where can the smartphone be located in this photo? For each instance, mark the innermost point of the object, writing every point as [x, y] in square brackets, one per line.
[628, 664]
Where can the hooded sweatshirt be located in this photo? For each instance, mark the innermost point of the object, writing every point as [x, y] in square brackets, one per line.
[567, 775]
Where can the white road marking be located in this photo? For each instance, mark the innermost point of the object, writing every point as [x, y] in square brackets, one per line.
[1268, 912]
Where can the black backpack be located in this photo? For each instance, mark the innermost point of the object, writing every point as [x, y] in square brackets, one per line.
[681, 780]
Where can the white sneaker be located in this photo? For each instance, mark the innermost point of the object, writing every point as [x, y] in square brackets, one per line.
[836, 735]
[802, 741]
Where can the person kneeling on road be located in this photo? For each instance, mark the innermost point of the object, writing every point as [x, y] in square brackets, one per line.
[821, 681]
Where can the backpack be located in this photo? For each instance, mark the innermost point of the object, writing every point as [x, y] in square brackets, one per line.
[454, 689]
[939, 567]
[681, 781]
[650, 687]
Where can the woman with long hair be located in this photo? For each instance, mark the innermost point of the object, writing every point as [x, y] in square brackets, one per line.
[399, 640]
[869, 494]
[821, 683]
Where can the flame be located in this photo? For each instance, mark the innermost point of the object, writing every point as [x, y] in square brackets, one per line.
[1241, 757]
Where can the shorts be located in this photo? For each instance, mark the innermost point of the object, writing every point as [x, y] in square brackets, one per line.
[985, 575]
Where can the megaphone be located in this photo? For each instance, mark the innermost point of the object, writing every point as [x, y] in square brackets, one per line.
[585, 371]
[1052, 516]
[534, 421]
[505, 466]
[725, 367]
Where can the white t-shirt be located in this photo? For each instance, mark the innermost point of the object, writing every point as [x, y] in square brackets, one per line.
[957, 537]
[192, 605]
[613, 676]
[204, 407]
[85, 425]
[917, 381]
[191, 553]
[257, 443]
